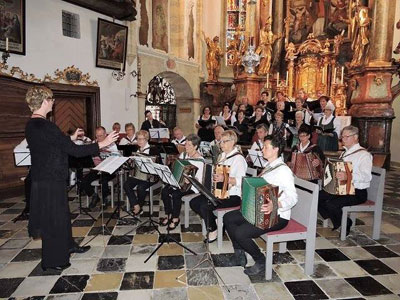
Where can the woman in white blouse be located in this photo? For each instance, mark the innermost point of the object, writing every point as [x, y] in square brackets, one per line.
[238, 166]
[229, 117]
[242, 232]
[329, 130]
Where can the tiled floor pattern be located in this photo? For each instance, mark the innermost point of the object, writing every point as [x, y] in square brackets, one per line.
[114, 268]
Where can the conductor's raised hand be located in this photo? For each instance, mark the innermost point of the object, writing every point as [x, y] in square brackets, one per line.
[111, 138]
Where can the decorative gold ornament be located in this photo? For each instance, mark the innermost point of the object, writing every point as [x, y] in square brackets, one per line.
[70, 75]
[235, 51]
[213, 57]
[378, 79]
[267, 40]
[339, 99]
[360, 23]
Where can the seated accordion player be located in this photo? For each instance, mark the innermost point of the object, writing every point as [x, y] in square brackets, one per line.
[184, 167]
[255, 192]
[266, 206]
[331, 184]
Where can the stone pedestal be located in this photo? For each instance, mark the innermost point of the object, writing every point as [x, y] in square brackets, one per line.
[250, 87]
[372, 111]
[215, 94]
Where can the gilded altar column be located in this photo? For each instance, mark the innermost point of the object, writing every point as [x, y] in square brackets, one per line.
[251, 21]
[383, 15]
[278, 12]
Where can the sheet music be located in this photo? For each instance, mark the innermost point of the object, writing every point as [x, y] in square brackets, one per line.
[22, 154]
[166, 175]
[293, 130]
[257, 158]
[159, 133]
[145, 164]
[220, 120]
[111, 164]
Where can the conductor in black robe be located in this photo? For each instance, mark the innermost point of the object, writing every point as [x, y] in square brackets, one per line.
[49, 216]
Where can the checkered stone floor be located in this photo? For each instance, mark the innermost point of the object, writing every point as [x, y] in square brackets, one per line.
[114, 268]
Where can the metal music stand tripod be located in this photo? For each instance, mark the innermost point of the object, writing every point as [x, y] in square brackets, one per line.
[212, 201]
[167, 177]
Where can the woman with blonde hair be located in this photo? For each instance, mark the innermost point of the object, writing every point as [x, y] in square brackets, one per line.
[49, 216]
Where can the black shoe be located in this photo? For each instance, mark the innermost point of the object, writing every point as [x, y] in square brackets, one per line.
[164, 221]
[58, 268]
[78, 249]
[173, 225]
[257, 268]
[240, 257]
[348, 226]
[94, 201]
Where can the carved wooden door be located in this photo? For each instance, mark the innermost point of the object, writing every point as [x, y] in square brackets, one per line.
[69, 113]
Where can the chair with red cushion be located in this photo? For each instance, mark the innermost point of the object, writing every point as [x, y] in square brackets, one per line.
[302, 226]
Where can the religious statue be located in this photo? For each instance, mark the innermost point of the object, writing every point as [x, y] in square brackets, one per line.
[213, 57]
[290, 52]
[234, 52]
[337, 42]
[359, 33]
[339, 100]
[267, 40]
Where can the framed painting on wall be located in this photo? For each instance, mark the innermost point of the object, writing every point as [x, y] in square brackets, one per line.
[12, 26]
[112, 40]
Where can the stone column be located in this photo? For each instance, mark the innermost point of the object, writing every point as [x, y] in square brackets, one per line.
[383, 15]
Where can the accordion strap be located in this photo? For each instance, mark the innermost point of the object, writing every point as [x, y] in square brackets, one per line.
[267, 170]
[229, 157]
[359, 150]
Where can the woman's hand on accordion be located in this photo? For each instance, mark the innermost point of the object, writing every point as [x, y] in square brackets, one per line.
[315, 162]
[341, 176]
[267, 208]
[218, 178]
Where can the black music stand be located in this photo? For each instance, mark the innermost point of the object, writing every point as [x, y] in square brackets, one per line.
[212, 201]
[167, 177]
[109, 165]
[145, 164]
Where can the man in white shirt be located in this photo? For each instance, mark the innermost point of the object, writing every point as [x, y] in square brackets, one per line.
[240, 231]
[179, 138]
[110, 150]
[330, 206]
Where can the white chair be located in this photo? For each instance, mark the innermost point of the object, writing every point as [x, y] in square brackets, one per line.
[219, 213]
[373, 204]
[96, 185]
[186, 200]
[151, 190]
[302, 226]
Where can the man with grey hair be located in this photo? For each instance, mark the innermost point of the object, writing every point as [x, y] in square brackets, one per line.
[330, 206]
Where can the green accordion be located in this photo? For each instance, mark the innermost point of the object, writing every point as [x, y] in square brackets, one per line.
[256, 191]
[181, 167]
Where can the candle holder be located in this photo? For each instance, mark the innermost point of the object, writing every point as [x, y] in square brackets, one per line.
[119, 75]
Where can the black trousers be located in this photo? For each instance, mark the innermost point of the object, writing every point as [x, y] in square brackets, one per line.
[27, 187]
[92, 176]
[330, 206]
[141, 185]
[242, 233]
[172, 199]
[200, 206]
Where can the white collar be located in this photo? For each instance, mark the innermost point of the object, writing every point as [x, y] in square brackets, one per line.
[301, 148]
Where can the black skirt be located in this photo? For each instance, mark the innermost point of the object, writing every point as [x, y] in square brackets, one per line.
[50, 220]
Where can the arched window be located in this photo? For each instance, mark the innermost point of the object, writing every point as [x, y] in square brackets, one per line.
[161, 101]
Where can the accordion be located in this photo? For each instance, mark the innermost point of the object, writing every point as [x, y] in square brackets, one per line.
[181, 167]
[256, 191]
[221, 189]
[137, 173]
[331, 184]
[302, 167]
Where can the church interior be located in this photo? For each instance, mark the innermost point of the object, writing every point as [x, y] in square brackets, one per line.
[118, 65]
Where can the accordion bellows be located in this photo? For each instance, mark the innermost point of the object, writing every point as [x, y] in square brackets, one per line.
[256, 191]
[181, 167]
[331, 184]
[303, 168]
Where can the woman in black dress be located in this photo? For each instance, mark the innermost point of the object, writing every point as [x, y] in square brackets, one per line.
[49, 211]
[242, 125]
[206, 124]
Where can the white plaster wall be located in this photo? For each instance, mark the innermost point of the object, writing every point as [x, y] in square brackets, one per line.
[395, 140]
[47, 49]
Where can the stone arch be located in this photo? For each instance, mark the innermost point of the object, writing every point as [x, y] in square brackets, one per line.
[184, 99]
